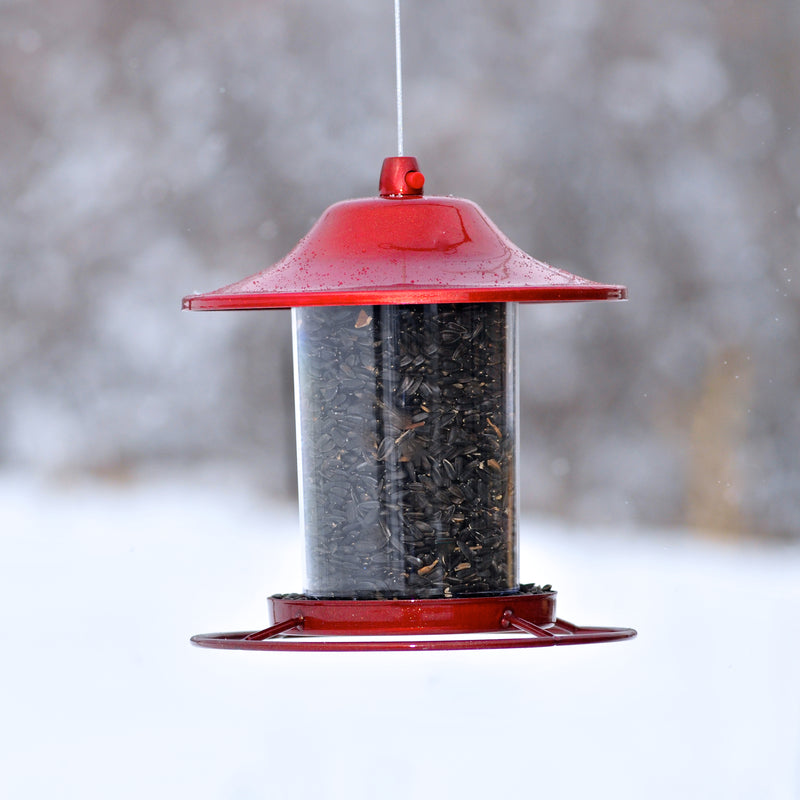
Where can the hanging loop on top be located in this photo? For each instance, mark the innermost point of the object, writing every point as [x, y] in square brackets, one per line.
[400, 177]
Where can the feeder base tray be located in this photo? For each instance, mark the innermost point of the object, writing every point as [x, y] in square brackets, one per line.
[502, 621]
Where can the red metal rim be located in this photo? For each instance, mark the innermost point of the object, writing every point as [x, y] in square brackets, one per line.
[513, 621]
[564, 633]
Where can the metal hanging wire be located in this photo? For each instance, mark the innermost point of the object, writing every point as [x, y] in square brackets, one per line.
[399, 76]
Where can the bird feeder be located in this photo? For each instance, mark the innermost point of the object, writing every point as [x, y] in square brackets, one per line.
[404, 313]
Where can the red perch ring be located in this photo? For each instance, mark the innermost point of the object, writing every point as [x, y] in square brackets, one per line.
[505, 621]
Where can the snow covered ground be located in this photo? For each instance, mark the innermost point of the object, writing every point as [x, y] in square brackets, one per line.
[103, 697]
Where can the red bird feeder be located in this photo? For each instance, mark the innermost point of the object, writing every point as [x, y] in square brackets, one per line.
[405, 343]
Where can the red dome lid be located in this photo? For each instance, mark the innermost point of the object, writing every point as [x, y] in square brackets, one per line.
[403, 248]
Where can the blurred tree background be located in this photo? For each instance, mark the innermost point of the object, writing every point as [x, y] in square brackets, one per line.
[149, 149]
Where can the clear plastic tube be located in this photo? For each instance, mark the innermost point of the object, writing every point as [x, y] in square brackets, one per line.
[407, 439]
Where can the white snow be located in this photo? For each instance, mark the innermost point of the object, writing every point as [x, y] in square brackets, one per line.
[103, 696]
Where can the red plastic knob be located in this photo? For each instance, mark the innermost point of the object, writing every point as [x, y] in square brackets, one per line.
[415, 179]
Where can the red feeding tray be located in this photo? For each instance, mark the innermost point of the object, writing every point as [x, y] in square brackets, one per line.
[299, 624]
[404, 312]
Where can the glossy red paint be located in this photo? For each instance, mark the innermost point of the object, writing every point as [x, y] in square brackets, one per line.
[388, 617]
[403, 248]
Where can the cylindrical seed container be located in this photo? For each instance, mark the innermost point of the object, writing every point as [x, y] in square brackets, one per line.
[406, 428]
